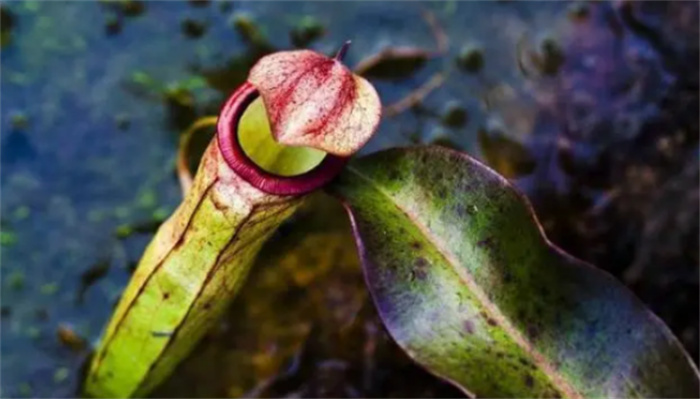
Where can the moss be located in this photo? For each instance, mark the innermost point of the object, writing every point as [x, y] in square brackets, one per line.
[147, 199]
[25, 389]
[7, 238]
[250, 32]
[15, 280]
[31, 6]
[33, 332]
[122, 212]
[113, 24]
[21, 212]
[161, 213]
[61, 374]
[132, 8]
[49, 288]
[123, 231]
[7, 23]
[306, 31]
[96, 215]
[19, 121]
[142, 78]
[122, 121]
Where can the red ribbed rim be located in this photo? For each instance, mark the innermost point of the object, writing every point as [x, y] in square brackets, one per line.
[227, 128]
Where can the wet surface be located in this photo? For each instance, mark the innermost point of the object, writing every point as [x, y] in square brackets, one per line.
[590, 108]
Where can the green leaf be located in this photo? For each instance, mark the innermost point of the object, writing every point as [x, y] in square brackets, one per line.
[467, 284]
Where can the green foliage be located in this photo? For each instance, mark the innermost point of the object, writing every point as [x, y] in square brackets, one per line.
[467, 284]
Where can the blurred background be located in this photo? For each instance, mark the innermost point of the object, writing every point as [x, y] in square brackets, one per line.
[590, 108]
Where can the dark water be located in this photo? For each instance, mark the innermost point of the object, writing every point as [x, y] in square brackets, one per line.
[590, 108]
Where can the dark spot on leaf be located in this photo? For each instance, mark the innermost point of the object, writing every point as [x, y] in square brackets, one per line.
[592, 328]
[491, 322]
[166, 295]
[469, 326]
[522, 314]
[558, 320]
[207, 306]
[533, 332]
[507, 276]
[419, 274]
[416, 245]
[539, 309]
[487, 242]
[393, 175]
[529, 381]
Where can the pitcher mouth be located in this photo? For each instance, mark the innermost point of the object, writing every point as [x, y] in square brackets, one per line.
[237, 159]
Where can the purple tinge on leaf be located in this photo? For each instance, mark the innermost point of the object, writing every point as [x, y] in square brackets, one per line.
[315, 101]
